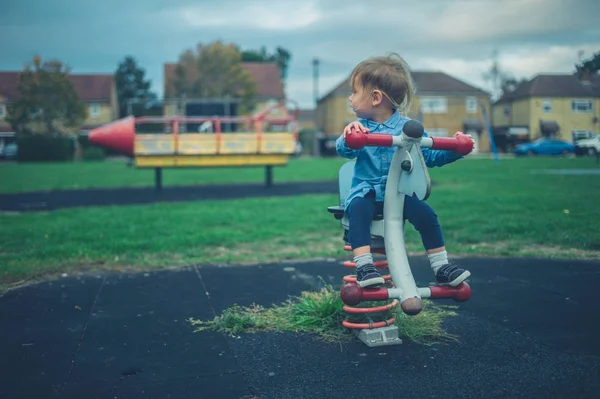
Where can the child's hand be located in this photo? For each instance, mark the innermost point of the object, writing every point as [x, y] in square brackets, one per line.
[354, 125]
[470, 136]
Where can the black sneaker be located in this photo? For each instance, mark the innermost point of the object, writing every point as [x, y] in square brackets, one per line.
[368, 276]
[451, 274]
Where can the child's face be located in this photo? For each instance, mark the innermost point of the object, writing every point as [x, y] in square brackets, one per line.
[361, 101]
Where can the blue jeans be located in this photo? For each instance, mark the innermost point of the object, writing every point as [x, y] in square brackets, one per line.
[419, 214]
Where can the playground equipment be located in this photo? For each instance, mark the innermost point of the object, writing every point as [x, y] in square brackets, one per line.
[408, 176]
[262, 139]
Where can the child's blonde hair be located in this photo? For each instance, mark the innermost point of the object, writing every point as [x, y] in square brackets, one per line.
[389, 74]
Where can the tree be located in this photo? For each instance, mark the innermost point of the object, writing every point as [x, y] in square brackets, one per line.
[509, 83]
[281, 57]
[502, 82]
[214, 71]
[591, 65]
[255, 56]
[131, 85]
[48, 103]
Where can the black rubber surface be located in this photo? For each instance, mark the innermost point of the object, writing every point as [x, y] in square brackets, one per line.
[530, 330]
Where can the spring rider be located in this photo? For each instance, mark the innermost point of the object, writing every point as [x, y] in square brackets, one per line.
[408, 175]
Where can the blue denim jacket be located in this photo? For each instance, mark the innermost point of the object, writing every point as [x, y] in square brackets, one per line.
[373, 163]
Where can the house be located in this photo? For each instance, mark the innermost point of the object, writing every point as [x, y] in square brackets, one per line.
[269, 91]
[306, 118]
[98, 91]
[560, 105]
[442, 103]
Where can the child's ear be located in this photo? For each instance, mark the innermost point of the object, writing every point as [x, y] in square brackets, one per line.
[377, 97]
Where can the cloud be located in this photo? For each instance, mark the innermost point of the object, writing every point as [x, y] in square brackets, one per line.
[264, 15]
[454, 36]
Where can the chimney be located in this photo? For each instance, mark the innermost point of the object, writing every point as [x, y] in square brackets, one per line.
[585, 77]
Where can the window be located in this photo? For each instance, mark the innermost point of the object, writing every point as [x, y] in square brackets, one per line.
[581, 135]
[2, 111]
[507, 110]
[437, 132]
[547, 106]
[434, 105]
[94, 110]
[471, 105]
[581, 106]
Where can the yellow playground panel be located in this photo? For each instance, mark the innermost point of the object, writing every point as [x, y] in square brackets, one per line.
[179, 141]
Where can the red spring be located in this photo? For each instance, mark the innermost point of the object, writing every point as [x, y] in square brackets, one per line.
[352, 295]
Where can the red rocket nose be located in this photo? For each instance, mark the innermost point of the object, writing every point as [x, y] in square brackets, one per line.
[118, 135]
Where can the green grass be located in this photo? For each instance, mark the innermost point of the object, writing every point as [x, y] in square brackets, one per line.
[28, 177]
[485, 208]
[321, 313]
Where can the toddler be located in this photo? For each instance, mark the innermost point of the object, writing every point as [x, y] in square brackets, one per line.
[382, 87]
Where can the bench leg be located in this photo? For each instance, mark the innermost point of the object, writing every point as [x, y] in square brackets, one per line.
[269, 175]
[158, 178]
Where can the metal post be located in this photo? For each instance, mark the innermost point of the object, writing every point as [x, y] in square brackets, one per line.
[269, 175]
[488, 126]
[158, 178]
[316, 141]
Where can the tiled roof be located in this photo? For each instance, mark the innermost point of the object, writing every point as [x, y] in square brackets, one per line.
[554, 86]
[426, 83]
[267, 78]
[89, 87]
[306, 115]
[93, 87]
[8, 84]
[439, 82]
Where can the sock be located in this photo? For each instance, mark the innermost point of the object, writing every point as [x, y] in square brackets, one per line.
[438, 260]
[362, 260]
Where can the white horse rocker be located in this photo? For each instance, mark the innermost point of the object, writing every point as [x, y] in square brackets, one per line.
[408, 176]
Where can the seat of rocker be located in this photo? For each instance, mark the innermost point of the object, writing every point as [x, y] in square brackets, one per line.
[338, 213]
[344, 180]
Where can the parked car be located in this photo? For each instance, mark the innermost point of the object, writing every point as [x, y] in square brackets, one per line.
[9, 151]
[588, 146]
[545, 146]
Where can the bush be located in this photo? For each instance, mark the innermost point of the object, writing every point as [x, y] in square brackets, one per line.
[93, 153]
[84, 142]
[36, 148]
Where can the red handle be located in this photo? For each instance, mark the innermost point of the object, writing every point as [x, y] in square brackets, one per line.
[460, 144]
[357, 140]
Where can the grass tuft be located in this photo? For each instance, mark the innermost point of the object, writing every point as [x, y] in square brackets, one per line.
[321, 313]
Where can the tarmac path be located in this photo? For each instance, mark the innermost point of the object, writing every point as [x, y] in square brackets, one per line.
[57, 199]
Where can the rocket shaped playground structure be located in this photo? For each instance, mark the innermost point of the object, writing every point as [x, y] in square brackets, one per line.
[267, 138]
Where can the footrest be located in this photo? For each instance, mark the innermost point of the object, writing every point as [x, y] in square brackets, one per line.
[338, 211]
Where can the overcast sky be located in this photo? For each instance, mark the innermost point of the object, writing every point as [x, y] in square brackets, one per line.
[454, 36]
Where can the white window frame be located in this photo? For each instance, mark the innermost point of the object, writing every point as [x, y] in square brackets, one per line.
[2, 111]
[95, 107]
[576, 103]
[547, 103]
[437, 132]
[471, 105]
[434, 105]
[584, 134]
